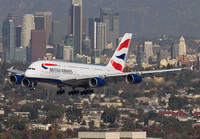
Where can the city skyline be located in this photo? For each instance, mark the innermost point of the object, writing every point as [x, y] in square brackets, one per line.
[182, 21]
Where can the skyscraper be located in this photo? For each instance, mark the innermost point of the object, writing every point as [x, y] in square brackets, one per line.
[28, 24]
[163, 54]
[148, 49]
[9, 39]
[18, 35]
[43, 21]
[38, 44]
[111, 20]
[56, 36]
[182, 46]
[174, 50]
[92, 30]
[76, 25]
[14, 17]
[100, 36]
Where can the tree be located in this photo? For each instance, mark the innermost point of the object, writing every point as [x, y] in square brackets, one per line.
[30, 108]
[37, 105]
[129, 125]
[20, 125]
[73, 114]
[52, 115]
[91, 125]
[110, 115]
[177, 102]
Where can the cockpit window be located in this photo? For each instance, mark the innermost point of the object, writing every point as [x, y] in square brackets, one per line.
[31, 68]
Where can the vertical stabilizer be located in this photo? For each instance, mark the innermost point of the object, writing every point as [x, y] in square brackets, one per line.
[119, 57]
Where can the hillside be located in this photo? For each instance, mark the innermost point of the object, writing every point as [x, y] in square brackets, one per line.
[142, 17]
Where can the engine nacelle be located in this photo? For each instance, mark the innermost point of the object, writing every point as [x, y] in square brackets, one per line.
[97, 82]
[27, 83]
[15, 79]
[133, 79]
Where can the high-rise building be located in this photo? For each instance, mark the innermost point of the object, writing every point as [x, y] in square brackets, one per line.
[84, 27]
[68, 53]
[99, 36]
[141, 58]
[14, 17]
[182, 46]
[28, 24]
[18, 35]
[87, 46]
[163, 54]
[9, 39]
[21, 54]
[92, 30]
[43, 21]
[111, 20]
[174, 50]
[38, 44]
[56, 36]
[156, 49]
[76, 25]
[148, 49]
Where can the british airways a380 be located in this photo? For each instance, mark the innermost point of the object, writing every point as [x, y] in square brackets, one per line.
[84, 76]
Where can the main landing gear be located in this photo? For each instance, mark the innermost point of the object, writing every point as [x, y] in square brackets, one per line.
[85, 92]
[61, 91]
[74, 91]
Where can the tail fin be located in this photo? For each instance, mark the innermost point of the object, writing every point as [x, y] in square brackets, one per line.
[119, 57]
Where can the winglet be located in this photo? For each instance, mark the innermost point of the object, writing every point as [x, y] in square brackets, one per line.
[12, 67]
[189, 68]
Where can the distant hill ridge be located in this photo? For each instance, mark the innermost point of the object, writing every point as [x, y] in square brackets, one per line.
[142, 17]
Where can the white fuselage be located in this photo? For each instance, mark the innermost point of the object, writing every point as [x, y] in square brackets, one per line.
[48, 69]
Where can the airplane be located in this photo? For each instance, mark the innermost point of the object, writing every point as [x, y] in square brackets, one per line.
[76, 75]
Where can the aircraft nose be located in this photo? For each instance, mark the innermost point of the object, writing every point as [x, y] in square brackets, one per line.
[27, 73]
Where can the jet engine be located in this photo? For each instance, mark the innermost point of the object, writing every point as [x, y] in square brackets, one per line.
[133, 79]
[97, 82]
[27, 83]
[15, 79]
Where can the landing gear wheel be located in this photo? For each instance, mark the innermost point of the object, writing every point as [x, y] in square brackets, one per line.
[60, 92]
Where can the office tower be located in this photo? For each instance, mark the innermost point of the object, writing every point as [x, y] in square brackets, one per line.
[100, 36]
[18, 35]
[43, 21]
[9, 39]
[156, 49]
[92, 29]
[111, 20]
[68, 53]
[56, 36]
[148, 49]
[14, 17]
[84, 27]
[69, 24]
[76, 25]
[28, 24]
[59, 54]
[141, 58]
[174, 50]
[87, 46]
[182, 46]
[38, 44]
[163, 54]
[21, 54]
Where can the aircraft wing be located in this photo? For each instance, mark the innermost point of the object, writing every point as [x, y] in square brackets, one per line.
[115, 77]
[19, 72]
